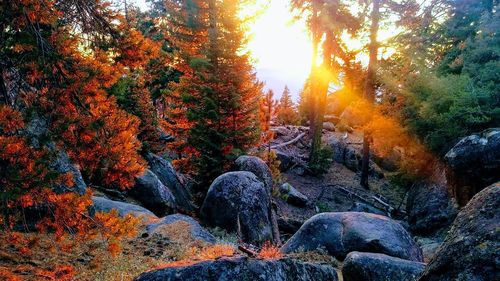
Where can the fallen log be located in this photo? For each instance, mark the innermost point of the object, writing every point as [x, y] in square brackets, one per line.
[247, 251]
[296, 139]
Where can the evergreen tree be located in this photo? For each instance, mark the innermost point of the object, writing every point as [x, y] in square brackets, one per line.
[286, 111]
[213, 108]
[267, 113]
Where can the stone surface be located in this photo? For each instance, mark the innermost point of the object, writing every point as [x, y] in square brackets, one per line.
[286, 161]
[365, 208]
[258, 167]
[153, 194]
[292, 195]
[329, 126]
[239, 199]
[344, 232]
[169, 177]
[101, 204]
[474, 163]
[239, 268]
[63, 164]
[430, 208]
[470, 250]
[379, 267]
[197, 231]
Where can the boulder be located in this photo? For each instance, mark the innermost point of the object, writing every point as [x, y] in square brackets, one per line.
[379, 267]
[344, 232]
[429, 246]
[101, 204]
[390, 162]
[289, 225]
[155, 196]
[338, 146]
[430, 208]
[196, 230]
[63, 164]
[470, 250]
[352, 159]
[241, 268]
[329, 126]
[258, 167]
[168, 176]
[474, 163]
[365, 208]
[37, 131]
[286, 161]
[239, 199]
[293, 196]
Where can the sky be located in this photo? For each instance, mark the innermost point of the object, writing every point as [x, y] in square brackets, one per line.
[280, 47]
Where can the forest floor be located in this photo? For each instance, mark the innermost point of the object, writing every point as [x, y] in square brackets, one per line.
[339, 188]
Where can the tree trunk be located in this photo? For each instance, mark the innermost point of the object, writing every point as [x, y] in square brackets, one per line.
[322, 82]
[369, 93]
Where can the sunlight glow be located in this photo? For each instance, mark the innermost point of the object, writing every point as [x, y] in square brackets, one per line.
[280, 47]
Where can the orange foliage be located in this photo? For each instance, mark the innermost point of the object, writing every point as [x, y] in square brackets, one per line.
[269, 251]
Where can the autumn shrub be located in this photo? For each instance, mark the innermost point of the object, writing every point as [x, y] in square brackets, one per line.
[269, 251]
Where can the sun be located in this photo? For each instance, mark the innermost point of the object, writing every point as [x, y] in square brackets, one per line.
[279, 45]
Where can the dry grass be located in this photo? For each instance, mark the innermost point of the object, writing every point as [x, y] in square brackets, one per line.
[39, 257]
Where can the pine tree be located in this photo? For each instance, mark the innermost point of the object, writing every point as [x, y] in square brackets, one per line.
[328, 20]
[286, 111]
[215, 102]
[267, 112]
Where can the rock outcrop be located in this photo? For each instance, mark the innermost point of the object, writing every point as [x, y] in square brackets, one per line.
[293, 196]
[239, 201]
[153, 194]
[430, 208]
[474, 163]
[101, 204]
[345, 232]
[470, 250]
[379, 267]
[196, 230]
[168, 176]
[350, 156]
[258, 167]
[239, 268]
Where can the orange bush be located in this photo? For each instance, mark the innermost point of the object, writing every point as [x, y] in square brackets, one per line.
[269, 251]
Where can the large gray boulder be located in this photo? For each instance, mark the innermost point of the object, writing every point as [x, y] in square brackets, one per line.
[379, 267]
[470, 250]
[196, 230]
[344, 232]
[169, 177]
[430, 208]
[258, 167]
[101, 204]
[240, 268]
[239, 200]
[475, 163]
[153, 194]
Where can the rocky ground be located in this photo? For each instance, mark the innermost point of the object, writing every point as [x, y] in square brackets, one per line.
[331, 227]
